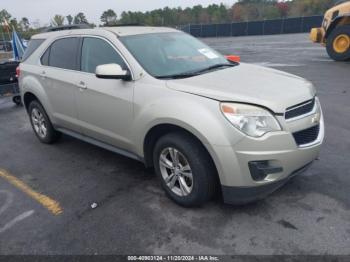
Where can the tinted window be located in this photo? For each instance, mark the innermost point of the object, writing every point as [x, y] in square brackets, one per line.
[45, 57]
[63, 53]
[96, 52]
[32, 46]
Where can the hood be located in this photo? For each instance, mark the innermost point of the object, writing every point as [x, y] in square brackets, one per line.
[252, 84]
[343, 8]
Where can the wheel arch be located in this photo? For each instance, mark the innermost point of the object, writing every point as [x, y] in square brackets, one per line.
[338, 21]
[31, 88]
[160, 130]
[28, 97]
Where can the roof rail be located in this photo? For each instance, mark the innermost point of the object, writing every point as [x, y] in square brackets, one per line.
[126, 24]
[67, 27]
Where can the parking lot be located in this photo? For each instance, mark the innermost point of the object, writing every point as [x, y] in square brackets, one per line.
[46, 192]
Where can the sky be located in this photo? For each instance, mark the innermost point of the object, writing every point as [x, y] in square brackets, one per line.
[44, 10]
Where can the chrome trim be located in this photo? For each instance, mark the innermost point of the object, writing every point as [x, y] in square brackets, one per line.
[313, 111]
[300, 105]
[321, 132]
[51, 41]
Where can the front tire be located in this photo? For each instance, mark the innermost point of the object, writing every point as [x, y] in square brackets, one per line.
[185, 169]
[338, 43]
[41, 124]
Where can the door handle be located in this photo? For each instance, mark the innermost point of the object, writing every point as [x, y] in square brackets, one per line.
[82, 85]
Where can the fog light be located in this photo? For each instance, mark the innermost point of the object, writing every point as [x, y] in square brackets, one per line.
[259, 170]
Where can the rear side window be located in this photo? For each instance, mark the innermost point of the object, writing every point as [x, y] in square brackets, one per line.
[63, 53]
[32, 46]
[96, 52]
[45, 58]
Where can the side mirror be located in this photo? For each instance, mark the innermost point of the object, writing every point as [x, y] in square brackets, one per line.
[112, 71]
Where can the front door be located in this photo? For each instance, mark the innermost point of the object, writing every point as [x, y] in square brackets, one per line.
[105, 106]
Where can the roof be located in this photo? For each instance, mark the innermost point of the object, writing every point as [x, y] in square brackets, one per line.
[137, 30]
[119, 31]
[67, 27]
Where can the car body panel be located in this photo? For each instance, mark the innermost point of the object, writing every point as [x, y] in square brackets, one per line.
[267, 88]
[195, 114]
[119, 114]
[61, 87]
[105, 109]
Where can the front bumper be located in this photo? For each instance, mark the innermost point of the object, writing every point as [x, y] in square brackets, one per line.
[278, 149]
[317, 35]
[245, 195]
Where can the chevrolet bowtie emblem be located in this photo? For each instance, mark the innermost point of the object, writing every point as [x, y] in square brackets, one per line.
[316, 119]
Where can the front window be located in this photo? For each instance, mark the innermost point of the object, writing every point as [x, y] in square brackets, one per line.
[169, 54]
[97, 52]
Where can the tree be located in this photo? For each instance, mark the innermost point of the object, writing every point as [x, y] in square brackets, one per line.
[109, 17]
[196, 12]
[14, 24]
[69, 19]
[283, 8]
[24, 24]
[80, 19]
[57, 20]
[237, 12]
[242, 10]
[4, 15]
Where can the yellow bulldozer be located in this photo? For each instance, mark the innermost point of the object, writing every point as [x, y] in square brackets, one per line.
[335, 31]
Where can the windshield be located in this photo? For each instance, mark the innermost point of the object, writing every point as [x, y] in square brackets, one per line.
[169, 54]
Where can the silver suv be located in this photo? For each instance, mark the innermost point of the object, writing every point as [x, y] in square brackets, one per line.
[162, 97]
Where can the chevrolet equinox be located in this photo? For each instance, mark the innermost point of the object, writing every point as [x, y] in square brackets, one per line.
[158, 95]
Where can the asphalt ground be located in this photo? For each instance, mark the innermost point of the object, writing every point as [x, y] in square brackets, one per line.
[309, 215]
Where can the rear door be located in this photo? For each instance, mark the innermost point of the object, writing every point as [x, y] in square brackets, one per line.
[60, 78]
[105, 106]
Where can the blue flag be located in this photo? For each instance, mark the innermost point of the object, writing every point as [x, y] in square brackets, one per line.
[17, 46]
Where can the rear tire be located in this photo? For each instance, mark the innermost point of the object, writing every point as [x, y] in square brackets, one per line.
[41, 124]
[17, 100]
[190, 182]
[338, 43]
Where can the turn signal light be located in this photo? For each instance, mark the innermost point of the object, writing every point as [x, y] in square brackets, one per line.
[234, 58]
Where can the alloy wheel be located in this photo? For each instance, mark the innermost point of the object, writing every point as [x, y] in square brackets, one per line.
[176, 171]
[39, 123]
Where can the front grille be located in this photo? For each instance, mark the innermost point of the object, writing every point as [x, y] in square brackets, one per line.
[300, 109]
[306, 136]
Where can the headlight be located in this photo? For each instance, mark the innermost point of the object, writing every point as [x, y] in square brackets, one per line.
[251, 120]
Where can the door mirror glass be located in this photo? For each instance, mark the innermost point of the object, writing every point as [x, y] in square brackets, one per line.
[112, 71]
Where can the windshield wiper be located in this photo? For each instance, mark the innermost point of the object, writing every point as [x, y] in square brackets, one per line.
[196, 73]
[216, 66]
[178, 76]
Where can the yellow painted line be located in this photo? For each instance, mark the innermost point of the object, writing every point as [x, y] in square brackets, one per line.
[50, 204]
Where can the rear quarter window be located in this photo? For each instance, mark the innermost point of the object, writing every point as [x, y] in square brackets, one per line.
[45, 58]
[32, 46]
